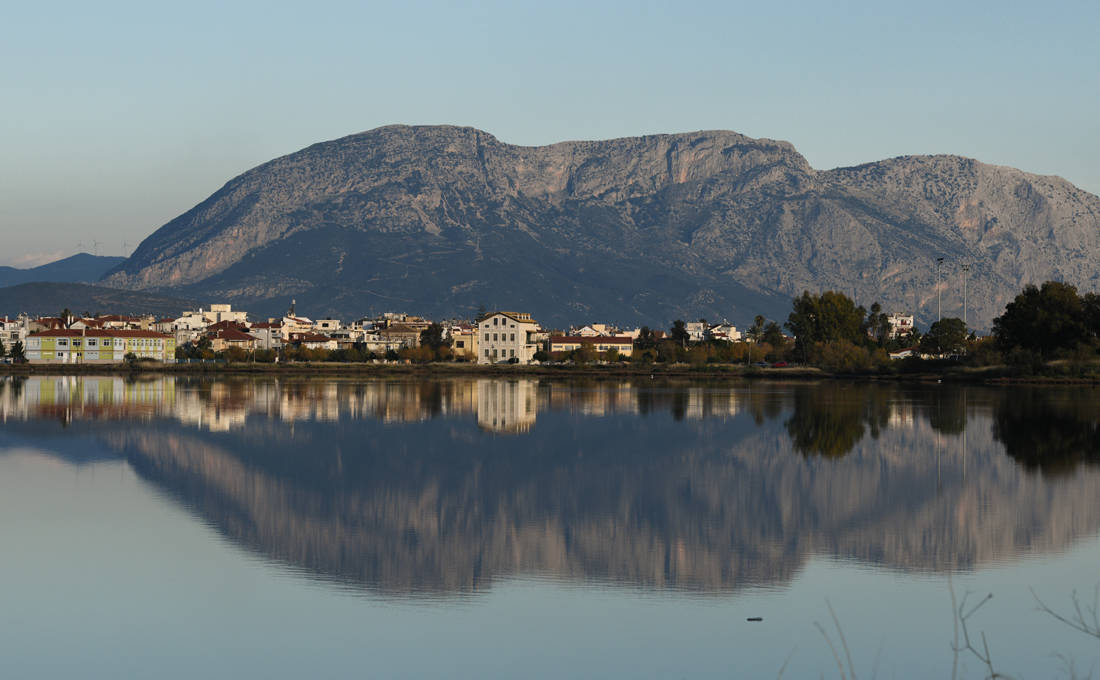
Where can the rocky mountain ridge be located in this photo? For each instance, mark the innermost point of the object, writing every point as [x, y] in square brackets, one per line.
[441, 220]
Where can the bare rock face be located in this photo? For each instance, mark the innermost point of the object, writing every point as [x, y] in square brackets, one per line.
[441, 220]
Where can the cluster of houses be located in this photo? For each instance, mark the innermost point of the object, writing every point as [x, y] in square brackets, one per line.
[497, 337]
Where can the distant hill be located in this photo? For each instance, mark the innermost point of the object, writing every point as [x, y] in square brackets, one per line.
[50, 298]
[440, 220]
[81, 267]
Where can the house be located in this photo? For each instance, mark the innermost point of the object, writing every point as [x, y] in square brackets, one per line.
[268, 334]
[696, 330]
[593, 330]
[98, 346]
[225, 313]
[400, 335]
[504, 336]
[326, 326]
[14, 330]
[900, 324]
[623, 344]
[464, 340]
[231, 336]
[313, 341]
[724, 332]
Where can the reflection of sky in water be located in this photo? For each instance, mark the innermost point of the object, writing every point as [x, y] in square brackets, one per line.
[629, 544]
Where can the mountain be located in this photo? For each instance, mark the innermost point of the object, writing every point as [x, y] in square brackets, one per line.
[50, 298]
[441, 220]
[81, 267]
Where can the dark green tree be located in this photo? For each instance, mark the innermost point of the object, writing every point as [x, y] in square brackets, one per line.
[878, 324]
[678, 333]
[945, 337]
[1043, 320]
[65, 314]
[3, 350]
[647, 339]
[773, 335]
[829, 317]
[756, 332]
[17, 353]
[432, 336]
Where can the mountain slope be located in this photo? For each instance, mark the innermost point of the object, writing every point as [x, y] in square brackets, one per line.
[81, 267]
[441, 220]
[50, 298]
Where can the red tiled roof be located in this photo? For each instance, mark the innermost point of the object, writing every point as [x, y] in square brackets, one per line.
[233, 335]
[592, 340]
[97, 333]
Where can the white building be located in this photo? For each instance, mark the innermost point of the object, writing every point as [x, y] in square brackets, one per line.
[900, 324]
[696, 330]
[725, 332]
[327, 325]
[504, 336]
[14, 330]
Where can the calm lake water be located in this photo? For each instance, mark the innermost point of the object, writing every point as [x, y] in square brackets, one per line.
[181, 528]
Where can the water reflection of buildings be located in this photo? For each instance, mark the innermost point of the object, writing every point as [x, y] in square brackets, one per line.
[879, 474]
[500, 405]
[506, 405]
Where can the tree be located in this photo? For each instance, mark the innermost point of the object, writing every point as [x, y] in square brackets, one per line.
[1044, 319]
[829, 317]
[878, 324]
[432, 336]
[17, 353]
[945, 337]
[647, 339]
[756, 332]
[678, 333]
[65, 314]
[3, 350]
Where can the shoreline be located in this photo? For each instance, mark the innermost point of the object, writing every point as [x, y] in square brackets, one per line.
[989, 376]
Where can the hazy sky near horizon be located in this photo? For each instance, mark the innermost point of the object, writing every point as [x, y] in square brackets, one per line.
[119, 116]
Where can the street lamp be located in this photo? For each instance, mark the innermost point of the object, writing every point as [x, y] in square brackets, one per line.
[966, 268]
[939, 279]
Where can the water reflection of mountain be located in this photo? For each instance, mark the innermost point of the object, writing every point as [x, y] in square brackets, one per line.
[399, 488]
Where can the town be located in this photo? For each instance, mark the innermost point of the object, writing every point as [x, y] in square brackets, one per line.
[221, 333]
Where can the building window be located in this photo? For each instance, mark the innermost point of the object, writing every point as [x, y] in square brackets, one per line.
[513, 337]
[91, 342]
[494, 337]
[60, 355]
[511, 352]
[62, 343]
[459, 343]
[486, 354]
[495, 321]
[486, 337]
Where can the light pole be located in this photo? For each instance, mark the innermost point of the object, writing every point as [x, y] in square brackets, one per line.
[939, 279]
[966, 268]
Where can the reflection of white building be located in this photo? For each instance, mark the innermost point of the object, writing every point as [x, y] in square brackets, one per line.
[506, 405]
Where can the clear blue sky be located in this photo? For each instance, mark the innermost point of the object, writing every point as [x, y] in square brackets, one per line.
[119, 116]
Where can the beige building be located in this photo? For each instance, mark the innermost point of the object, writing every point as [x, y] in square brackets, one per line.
[567, 343]
[507, 337]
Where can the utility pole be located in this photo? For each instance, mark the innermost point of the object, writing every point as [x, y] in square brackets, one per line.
[966, 268]
[939, 279]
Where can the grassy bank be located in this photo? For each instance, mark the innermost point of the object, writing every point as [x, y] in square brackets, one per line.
[933, 373]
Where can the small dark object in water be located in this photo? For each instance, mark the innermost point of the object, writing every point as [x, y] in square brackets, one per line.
[755, 618]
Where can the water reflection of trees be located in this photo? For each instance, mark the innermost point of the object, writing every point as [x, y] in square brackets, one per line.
[1049, 430]
[831, 418]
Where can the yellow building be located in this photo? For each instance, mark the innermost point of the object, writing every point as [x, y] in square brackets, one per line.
[98, 346]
